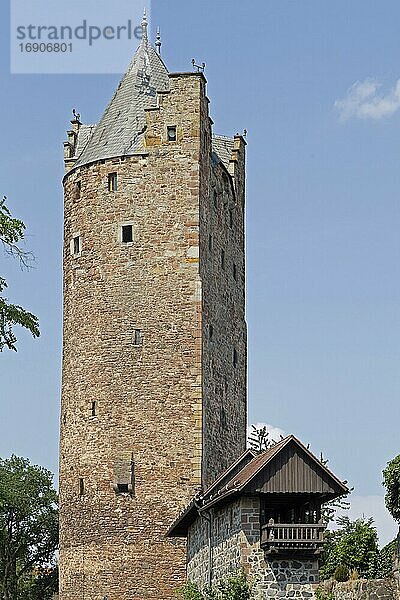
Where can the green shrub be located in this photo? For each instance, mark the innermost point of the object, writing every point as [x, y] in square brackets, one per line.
[190, 591]
[385, 560]
[342, 573]
[234, 588]
[354, 544]
[391, 481]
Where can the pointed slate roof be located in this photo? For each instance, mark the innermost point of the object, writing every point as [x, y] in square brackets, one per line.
[223, 147]
[120, 130]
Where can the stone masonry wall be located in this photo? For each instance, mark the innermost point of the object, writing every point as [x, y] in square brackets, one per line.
[235, 545]
[364, 589]
[134, 413]
[222, 268]
[225, 545]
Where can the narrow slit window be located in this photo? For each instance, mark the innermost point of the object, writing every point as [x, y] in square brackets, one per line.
[231, 218]
[77, 190]
[127, 234]
[76, 243]
[235, 357]
[211, 331]
[138, 337]
[93, 409]
[223, 259]
[112, 182]
[234, 271]
[171, 133]
[81, 486]
[210, 244]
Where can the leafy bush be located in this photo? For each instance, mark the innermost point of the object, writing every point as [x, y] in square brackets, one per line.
[391, 481]
[234, 588]
[385, 560]
[190, 591]
[355, 545]
[342, 573]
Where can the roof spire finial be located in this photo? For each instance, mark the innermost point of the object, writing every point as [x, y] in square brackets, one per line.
[144, 26]
[158, 41]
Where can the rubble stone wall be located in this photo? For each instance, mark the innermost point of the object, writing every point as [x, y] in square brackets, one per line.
[235, 545]
[367, 589]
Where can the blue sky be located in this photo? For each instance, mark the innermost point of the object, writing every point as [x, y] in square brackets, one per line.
[323, 217]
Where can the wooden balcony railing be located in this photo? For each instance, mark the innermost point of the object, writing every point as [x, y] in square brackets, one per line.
[282, 537]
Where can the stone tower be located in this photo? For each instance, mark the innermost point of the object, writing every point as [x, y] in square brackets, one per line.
[154, 356]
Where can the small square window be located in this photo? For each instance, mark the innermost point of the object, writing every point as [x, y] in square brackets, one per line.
[122, 488]
[127, 234]
[171, 133]
[112, 182]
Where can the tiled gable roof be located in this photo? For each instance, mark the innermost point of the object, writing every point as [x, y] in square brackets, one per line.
[233, 482]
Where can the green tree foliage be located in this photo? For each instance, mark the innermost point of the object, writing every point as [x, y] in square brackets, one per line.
[28, 531]
[354, 545]
[235, 587]
[259, 439]
[386, 558]
[40, 584]
[329, 509]
[391, 481]
[11, 234]
[190, 591]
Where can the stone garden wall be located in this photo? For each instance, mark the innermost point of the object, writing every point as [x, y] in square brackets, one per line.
[362, 589]
[367, 589]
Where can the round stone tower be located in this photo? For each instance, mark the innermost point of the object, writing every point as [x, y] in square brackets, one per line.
[154, 356]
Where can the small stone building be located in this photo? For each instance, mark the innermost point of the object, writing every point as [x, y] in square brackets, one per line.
[263, 515]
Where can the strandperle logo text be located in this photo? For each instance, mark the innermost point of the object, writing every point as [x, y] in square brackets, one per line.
[84, 31]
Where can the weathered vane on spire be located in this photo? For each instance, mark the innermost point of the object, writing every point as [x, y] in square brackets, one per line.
[144, 26]
[200, 68]
[158, 41]
[76, 116]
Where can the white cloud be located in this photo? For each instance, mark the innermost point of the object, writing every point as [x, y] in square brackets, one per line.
[371, 506]
[364, 102]
[275, 433]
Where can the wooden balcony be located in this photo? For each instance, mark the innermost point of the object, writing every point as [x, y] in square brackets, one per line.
[282, 538]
